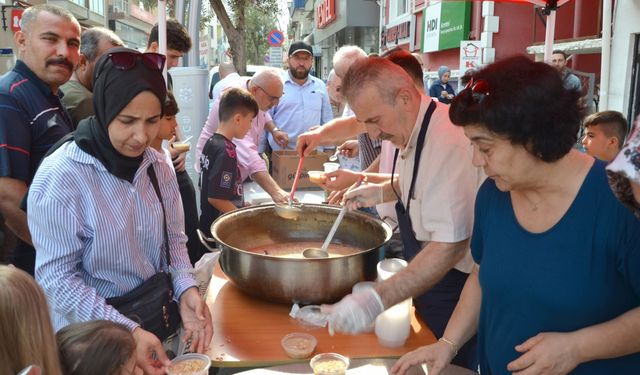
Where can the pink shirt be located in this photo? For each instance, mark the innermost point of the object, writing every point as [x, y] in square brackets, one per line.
[249, 160]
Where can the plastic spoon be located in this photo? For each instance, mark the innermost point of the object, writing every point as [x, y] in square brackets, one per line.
[334, 157]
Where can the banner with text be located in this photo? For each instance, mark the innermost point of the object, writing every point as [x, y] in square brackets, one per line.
[445, 25]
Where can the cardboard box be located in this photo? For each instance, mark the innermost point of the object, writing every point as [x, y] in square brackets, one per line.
[285, 163]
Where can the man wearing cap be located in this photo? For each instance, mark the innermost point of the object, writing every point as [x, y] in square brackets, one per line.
[305, 102]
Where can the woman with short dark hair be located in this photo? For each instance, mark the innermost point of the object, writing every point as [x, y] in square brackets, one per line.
[556, 285]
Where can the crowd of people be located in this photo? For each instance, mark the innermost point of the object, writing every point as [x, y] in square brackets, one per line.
[523, 251]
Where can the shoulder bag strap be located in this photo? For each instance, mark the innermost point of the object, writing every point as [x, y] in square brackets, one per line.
[154, 181]
[419, 146]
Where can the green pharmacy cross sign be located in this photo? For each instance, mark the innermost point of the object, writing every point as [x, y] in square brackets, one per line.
[445, 24]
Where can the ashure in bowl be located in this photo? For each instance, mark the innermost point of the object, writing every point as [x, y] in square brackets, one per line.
[329, 364]
[190, 364]
[299, 345]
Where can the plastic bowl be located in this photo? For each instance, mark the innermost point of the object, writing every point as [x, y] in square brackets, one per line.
[299, 345]
[329, 364]
[317, 177]
[190, 364]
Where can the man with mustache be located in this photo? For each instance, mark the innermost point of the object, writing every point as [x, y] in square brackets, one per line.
[78, 96]
[32, 117]
[435, 190]
[305, 102]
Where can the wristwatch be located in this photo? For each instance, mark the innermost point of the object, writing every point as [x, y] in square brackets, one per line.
[275, 129]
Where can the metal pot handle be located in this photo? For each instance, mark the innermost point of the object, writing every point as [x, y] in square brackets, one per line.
[204, 240]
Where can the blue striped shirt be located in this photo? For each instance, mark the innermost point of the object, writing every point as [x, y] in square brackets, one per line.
[98, 236]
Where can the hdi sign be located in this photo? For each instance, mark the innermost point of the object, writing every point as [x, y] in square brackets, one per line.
[325, 13]
[445, 25]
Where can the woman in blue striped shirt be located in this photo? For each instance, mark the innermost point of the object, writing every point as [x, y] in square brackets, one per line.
[96, 220]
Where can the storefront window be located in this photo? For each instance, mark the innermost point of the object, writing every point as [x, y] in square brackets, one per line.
[398, 8]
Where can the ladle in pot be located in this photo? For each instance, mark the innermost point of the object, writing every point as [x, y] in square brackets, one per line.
[314, 252]
[290, 211]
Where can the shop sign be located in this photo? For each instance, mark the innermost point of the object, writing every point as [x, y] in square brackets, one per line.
[203, 50]
[325, 13]
[470, 55]
[398, 33]
[16, 16]
[445, 25]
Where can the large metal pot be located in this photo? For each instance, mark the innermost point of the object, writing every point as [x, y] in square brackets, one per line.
[289, 280]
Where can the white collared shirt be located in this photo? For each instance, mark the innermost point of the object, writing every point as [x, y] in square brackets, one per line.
[447, 181]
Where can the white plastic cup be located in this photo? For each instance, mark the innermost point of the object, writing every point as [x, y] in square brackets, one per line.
[331, 167]
[389, 267]
[393, 326]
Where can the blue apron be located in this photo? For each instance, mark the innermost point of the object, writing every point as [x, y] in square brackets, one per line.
[436, 305]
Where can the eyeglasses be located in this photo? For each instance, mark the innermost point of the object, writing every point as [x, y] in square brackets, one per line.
[271, 97]
[479, 89]
[126, 60]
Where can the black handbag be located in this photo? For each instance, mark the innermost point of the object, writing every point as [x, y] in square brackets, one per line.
[151, 304]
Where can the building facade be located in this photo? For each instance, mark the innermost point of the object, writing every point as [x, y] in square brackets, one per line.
[128, 20]
[463, 34]
[341, 22]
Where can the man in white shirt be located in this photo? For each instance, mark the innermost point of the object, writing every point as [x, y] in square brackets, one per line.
[436, 191]
[228, 74]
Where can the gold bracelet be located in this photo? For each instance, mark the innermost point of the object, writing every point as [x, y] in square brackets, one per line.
[451, 343]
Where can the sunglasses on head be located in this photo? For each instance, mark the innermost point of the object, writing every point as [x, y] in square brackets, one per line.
[479, 89]
[127, 60]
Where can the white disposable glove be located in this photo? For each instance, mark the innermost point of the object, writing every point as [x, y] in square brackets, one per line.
[355, 313]
[365, 195]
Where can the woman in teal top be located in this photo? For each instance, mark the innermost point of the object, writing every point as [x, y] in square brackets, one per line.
[556, 287]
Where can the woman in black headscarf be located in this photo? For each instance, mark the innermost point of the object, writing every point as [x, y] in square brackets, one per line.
[99, 225]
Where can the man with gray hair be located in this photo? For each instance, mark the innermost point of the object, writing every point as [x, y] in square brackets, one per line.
[32, 117]
[78, 96]
[344, 128]
[266, 87]
[344, 57]
[435, 213]
[337, 100]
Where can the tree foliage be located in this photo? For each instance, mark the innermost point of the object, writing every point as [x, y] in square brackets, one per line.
[235, 16]
[206, 14]
[260, 24]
